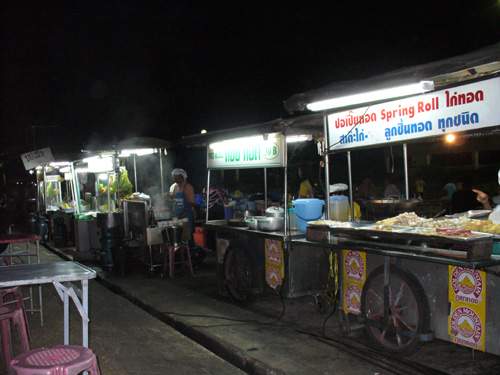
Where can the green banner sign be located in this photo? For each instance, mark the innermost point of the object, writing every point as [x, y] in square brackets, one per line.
[248, 152]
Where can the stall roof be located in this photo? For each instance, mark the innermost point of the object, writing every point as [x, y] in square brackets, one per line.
[473, 65]
[130, 143]
[302, 124]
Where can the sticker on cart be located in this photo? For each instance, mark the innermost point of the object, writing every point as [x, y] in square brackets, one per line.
[466, 327]
[355, 265]
[466, 285]
[352, 299]
[275, 266]
[353, 280]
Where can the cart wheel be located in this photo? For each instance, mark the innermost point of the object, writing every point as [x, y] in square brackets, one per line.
[408, 313]
[238, 273]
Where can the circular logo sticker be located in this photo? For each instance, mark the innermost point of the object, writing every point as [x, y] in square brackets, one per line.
[466, 324]
[272, 151]
[354, 265]
[467, 284]
[353, 298]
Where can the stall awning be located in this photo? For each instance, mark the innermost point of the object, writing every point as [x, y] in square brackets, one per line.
[311, 124]
[473, 65]
[129, 143]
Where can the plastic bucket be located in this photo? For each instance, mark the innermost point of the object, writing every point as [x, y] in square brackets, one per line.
[307, 210]
[199, 237]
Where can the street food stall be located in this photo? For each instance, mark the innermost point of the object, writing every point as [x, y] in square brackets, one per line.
[255, 250]
[116, 207]
[408, 278]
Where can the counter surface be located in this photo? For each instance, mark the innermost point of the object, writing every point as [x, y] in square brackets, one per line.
[222, 224]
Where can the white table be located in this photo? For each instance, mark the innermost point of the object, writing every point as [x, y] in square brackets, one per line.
[61, 275]
[20, 239]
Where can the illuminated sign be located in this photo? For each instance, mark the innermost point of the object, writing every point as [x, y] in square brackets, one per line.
[458, 109]
[249, 152]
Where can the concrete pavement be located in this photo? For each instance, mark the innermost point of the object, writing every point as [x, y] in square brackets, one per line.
[126, 339]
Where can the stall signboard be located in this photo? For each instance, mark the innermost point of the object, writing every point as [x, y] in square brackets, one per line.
[464, 108]
[248, 152]
[467, 297]
[353, 280]
[36, 158]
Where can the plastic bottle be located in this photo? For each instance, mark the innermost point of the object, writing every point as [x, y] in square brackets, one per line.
[339, 208]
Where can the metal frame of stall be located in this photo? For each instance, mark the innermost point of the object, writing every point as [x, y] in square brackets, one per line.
[127, 151]
[285, 170]
[388, 251]
[295, 281]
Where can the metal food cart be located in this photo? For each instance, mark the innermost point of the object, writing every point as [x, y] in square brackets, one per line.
[406, 288]
[251, 260]
[110, 208]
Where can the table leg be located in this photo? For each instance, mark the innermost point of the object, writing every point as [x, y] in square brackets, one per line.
[66, 317]
[85, 303]
[40, 296]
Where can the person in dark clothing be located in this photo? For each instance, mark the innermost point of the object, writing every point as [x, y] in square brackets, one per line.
[464, 199]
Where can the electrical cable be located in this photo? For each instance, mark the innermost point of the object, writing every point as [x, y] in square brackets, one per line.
[332, 273]
[248, 321]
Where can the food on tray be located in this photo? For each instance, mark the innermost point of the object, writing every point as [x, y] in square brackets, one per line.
[454, 227]
[331, 223]
[406, 219]
[459, 232]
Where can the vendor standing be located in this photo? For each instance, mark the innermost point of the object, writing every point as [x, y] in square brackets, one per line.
[183, 194]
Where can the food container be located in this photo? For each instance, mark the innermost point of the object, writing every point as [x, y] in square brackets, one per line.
[270, 224]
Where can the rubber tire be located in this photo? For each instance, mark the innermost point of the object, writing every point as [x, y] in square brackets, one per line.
[422, 306]
[243, 296]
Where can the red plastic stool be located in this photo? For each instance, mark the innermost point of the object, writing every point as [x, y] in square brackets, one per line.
[12, 311]
[58, 360]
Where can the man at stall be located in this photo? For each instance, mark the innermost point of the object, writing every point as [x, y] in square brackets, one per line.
[488, 203]
[183, 194]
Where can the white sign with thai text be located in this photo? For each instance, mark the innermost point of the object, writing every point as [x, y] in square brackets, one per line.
[458, 109]
[35, 158]
[248, 152]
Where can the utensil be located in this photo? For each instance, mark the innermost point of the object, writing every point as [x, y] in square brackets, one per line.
[270, 224]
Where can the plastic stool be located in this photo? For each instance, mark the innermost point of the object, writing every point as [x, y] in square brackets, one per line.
[11, 310]
[184, 252]
[58, 360]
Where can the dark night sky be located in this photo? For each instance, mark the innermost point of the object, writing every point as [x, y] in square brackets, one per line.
[166, 69]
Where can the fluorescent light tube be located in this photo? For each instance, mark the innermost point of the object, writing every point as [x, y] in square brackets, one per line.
[372, 96]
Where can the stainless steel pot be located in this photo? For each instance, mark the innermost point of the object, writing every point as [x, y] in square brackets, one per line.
[275, 212]
[270, 224]
[252, 221]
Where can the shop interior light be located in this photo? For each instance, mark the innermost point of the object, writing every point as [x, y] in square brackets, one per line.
[65, 169]
[450, 138]
[236, 143]
[298, 138]
[59, 163]
[137, 152]
[372, 96]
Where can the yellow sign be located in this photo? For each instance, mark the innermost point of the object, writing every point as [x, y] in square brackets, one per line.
[467, 297]
[353, 280]
[275, 264]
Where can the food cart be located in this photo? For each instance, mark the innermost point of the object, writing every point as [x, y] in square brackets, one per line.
[113, 209]
[411, 279]
[252, 259]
